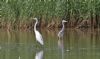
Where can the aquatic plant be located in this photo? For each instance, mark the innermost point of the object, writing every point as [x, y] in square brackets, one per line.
[21, 11]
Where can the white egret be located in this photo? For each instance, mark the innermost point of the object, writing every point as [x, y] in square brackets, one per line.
[60, 41]
[37, 33]
[39, 55]
[61, 32]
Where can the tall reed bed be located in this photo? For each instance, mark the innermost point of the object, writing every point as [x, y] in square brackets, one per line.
[15, 12]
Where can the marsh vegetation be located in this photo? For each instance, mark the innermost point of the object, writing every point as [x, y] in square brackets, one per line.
[79, 13]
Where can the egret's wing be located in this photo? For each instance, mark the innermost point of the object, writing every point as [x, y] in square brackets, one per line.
[39, 55]
[39, 37]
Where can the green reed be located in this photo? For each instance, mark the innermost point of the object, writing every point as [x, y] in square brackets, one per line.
[22, 10]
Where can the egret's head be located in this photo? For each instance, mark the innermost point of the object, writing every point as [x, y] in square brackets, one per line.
[35, 18]
[63, 21]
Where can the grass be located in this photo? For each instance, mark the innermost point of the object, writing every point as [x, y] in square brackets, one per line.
[15, 11]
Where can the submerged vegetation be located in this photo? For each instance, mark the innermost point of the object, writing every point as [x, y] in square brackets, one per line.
[78, 13]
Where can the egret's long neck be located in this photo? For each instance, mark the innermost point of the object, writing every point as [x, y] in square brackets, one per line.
[63, 26]
[35, 25]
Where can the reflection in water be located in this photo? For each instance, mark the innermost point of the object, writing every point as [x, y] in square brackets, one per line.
[22, 45]
[60, 44]
[61, 47]
[39, 55]
[19, 57]
[0, 47]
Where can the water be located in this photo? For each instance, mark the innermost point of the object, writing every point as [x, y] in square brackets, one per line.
[76, 44]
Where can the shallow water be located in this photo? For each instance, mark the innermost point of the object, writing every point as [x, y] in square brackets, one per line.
[76, 44]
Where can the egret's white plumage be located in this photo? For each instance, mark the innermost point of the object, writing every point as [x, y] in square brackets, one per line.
[37, 33]
[61, 32]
